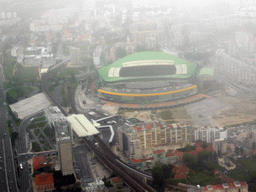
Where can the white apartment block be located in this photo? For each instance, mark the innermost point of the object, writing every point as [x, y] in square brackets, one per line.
[234, 68]
[208, 134]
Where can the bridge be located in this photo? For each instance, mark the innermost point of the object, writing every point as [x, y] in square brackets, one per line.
[51, 152]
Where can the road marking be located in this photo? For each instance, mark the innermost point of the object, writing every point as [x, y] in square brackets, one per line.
[6, 176]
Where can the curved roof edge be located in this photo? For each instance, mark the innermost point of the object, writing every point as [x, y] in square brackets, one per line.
[148, 55]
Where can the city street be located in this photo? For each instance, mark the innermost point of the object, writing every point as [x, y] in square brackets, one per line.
[7, 160]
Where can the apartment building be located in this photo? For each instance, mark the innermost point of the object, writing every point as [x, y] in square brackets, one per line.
[156, 134]
[234, 68]
[207, 134]
[75, 55]
[220, 146]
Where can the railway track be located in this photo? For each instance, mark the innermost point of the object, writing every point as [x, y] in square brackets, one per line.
[134, 183]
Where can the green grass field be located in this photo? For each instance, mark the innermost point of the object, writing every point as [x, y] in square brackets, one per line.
[42, 118]
[239, 174]
[48, 132]
[12, 93]
[27, 74]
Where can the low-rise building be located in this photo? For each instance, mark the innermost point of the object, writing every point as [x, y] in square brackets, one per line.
[226, 163]
[40, 162]
[96, 186]
[142, 163]
[44, 182]
[181, 171]
[117, 182]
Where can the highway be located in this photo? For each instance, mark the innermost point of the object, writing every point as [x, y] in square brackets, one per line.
[7, 160]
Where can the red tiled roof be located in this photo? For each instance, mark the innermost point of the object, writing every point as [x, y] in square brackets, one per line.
[180, 176]
[209, 149]
[158, 151]
[180, 169]
[44, 178]
[178, 153]
[170, 154]
[116, 179]
[138, 128]
[38, 162]
[141, 160]
[230, 186]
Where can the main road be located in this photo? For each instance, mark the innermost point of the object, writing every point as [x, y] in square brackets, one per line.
[8, 173]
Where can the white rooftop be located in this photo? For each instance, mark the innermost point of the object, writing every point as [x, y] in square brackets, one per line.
[81, 125]
[31, 105]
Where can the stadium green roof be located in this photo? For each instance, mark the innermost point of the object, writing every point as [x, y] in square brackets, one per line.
[206, 71]
[148, 55]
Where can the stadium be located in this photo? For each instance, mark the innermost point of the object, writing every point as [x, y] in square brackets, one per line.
[147, 77]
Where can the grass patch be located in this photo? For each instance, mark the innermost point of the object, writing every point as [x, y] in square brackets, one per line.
[36, 132]
[166, 115]
[12, 93]
[239, 174]
[41, 136]
[45, 148]
[41, 124]
[27, 74]
[36, 147]
[202, 178]
[43, 142]
[249, 164]
[27, 90]
[42, 118]
[48, 132]
[47, 145]
[32, 126]
[9, 64]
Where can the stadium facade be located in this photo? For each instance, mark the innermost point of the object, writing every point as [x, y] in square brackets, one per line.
[148, 77]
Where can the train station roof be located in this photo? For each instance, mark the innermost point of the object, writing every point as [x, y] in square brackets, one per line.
[82, 126]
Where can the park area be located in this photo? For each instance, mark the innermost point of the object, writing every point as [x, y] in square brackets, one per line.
[44, 135]
[27, 74]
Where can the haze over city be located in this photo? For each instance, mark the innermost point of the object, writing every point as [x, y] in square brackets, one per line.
[124, 95]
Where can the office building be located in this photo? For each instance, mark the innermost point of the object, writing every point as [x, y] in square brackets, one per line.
[63, 135]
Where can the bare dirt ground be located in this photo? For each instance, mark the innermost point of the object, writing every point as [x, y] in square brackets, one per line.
[220, 110]
[244, 110]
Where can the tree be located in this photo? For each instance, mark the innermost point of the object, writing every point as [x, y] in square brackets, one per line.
[204, 145]
[189, 159]
[158, 177]
[253, 145]
[47, 169]
[167, 171]
[14, 136]
[189, 148]
[203, 155]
